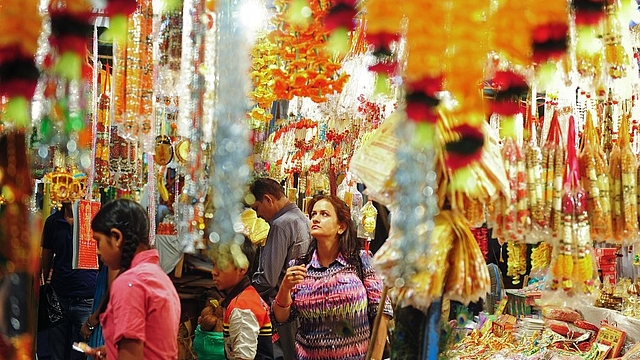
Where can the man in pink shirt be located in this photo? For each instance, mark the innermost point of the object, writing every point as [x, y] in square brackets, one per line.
[142, 315]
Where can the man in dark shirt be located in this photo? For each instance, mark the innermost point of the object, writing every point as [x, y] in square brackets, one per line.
[288, 239]
[74, 287]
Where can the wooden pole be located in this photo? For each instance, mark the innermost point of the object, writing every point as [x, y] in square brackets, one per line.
[376, 322]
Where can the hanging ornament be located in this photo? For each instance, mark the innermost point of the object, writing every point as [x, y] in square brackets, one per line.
[230, 171]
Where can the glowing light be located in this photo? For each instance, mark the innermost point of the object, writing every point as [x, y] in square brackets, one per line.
[253, 15]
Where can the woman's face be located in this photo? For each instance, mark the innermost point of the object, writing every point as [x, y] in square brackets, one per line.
[324, 221]
[108, 248]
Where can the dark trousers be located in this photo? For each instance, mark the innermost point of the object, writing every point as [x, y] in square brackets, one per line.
[285, 347]
[63, 335]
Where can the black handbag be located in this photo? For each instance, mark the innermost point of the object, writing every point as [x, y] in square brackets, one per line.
[49, 308]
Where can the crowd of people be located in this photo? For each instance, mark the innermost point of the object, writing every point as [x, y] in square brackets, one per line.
[314, 294]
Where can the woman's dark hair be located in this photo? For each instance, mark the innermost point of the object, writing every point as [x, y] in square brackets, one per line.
[131, 219]
[348, 243]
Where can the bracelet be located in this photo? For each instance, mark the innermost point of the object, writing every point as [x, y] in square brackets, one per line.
[89, 326]
[282, 306]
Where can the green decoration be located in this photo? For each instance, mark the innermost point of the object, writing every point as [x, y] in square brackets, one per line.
[338, 42]
[382, 86]
[17, 111]
[46, 129]
[299, 13]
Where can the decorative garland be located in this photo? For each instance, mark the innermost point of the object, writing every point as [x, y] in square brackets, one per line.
[20, 26]
[304, 68]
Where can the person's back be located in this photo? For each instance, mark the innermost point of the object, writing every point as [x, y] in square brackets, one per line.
[245, 309]
[142, 314]
[67, 281]
[75, 287]
[144, 305]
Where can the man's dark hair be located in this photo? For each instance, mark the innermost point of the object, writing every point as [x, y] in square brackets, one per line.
[264, 186]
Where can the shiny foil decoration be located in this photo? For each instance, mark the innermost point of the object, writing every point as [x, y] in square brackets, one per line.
[412, 213]
[192, 88]
[230, 171]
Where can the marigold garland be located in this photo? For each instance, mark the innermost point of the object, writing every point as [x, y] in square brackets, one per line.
[20, 26]
[303, 68]
[517, 47]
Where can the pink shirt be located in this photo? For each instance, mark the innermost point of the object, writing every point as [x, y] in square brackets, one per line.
[143, 305]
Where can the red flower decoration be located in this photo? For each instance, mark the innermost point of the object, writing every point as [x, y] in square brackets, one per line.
[382, 39]
[340, 15]
[384, 67]
[549, 41]
[589, 12]
[124, 7]
[18, 77]
[509, 88]
[429, 86]
[76, 44]
[421, 108]
[466, 149]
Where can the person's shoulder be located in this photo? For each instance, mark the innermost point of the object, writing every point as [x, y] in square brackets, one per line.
[249, 298]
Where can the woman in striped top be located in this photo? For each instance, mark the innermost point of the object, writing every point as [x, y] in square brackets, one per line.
[332, 290]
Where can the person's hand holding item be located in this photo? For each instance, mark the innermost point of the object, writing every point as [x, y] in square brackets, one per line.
[97, 353]
[294, 276]
[282, 303]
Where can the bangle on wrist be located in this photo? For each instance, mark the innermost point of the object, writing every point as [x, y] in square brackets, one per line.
[89, 326]
[282, 305]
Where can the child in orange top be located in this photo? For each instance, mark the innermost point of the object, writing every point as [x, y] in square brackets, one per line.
[247, 325]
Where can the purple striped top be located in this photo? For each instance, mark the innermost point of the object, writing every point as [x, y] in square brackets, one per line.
[333, 307]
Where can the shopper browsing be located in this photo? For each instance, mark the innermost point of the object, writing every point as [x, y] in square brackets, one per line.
[142, 314]
[247, 322]
[75, 287]
[332, 290]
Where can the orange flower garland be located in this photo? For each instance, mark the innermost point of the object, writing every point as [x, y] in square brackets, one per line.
[466, 60]
[20, 26]
[304, 69]
[517, 46]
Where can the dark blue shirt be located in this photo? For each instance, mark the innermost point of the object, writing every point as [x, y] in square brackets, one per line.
[67, 282]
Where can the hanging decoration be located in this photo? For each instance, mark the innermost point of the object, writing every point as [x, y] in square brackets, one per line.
[20, 26]
[67, 75]
[139, 76]
[19, 250]
[304, 68]
[572, 269]
[103, 131]
[230, 172]
[264, 54]
[192, 88]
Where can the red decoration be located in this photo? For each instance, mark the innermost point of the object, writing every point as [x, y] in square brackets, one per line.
[124, 7]
[589, 12]
[549, 41]
[341, 14]
[465, 150]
